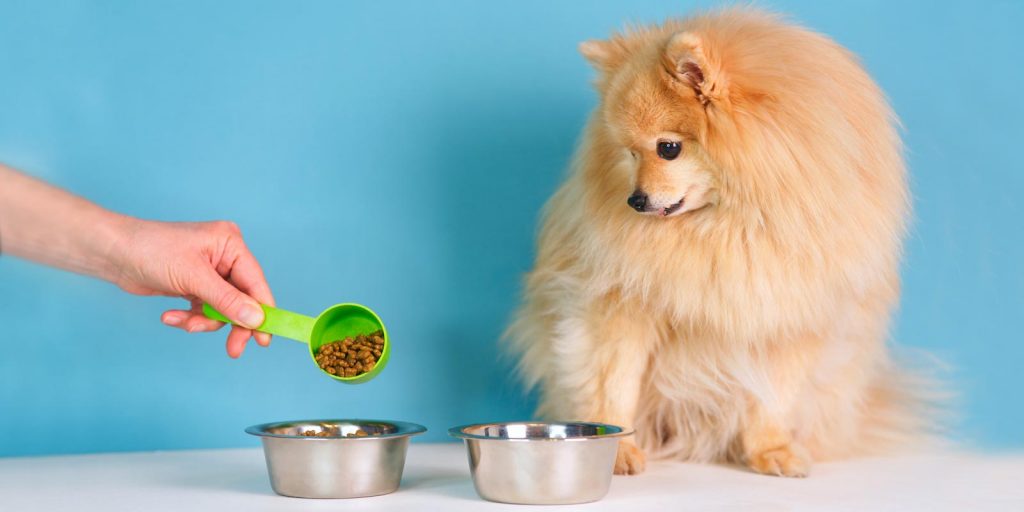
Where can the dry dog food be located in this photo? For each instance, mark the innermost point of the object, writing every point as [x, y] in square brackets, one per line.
[334, 433]
[351, 357]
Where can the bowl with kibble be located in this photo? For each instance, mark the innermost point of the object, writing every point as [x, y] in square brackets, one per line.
[348, 342]
[346, 458]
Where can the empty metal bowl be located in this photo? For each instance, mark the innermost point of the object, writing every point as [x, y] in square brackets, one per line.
[335, 466]
[541, 463]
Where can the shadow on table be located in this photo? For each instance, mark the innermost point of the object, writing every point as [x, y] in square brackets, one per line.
[245, 479]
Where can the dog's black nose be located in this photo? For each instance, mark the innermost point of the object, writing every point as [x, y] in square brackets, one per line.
[637, 201]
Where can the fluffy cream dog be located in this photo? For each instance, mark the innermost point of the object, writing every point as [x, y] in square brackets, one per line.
[719, 270]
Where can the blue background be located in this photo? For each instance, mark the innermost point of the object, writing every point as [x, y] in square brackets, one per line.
[397, 154]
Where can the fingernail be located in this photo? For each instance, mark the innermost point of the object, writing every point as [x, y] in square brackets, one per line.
[172, 320]
[250, 316]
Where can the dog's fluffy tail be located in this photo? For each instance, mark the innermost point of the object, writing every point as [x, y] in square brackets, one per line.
[910, 407]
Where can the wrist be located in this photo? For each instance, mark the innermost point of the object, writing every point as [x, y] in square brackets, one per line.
[113, 245]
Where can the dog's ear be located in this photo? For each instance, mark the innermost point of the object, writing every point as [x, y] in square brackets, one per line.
[603, 55]
[696, 66]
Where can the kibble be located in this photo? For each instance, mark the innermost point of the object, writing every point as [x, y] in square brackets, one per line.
[322, 433]
[334, 433]
[352, 356]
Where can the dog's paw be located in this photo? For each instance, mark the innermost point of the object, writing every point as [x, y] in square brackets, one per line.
[783, 461]
[630, 460]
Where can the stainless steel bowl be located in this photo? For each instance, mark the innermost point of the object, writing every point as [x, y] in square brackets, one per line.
[541, 463]
[337, 466]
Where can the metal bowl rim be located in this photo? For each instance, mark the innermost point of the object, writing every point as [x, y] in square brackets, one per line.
[405, 429]
[459, 431]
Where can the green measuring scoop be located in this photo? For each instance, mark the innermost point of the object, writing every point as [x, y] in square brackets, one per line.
[335, 323]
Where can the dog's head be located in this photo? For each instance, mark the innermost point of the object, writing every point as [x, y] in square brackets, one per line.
[655, 90]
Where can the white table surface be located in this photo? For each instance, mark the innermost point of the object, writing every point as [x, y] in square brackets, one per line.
[437, 478]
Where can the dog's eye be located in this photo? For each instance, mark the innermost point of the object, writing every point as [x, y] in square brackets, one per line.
[669, 150]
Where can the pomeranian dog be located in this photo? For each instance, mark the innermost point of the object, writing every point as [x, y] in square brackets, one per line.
[719, 269]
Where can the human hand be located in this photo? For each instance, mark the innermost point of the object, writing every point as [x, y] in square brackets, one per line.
[201, 262]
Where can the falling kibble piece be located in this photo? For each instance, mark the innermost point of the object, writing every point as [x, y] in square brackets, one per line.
[351, 357]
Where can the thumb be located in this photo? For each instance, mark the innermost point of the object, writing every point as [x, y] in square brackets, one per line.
[242, 309]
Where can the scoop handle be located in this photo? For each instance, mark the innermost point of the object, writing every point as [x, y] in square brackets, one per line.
[278, 322]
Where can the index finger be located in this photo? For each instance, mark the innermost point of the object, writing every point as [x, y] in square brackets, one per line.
[247, 275]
